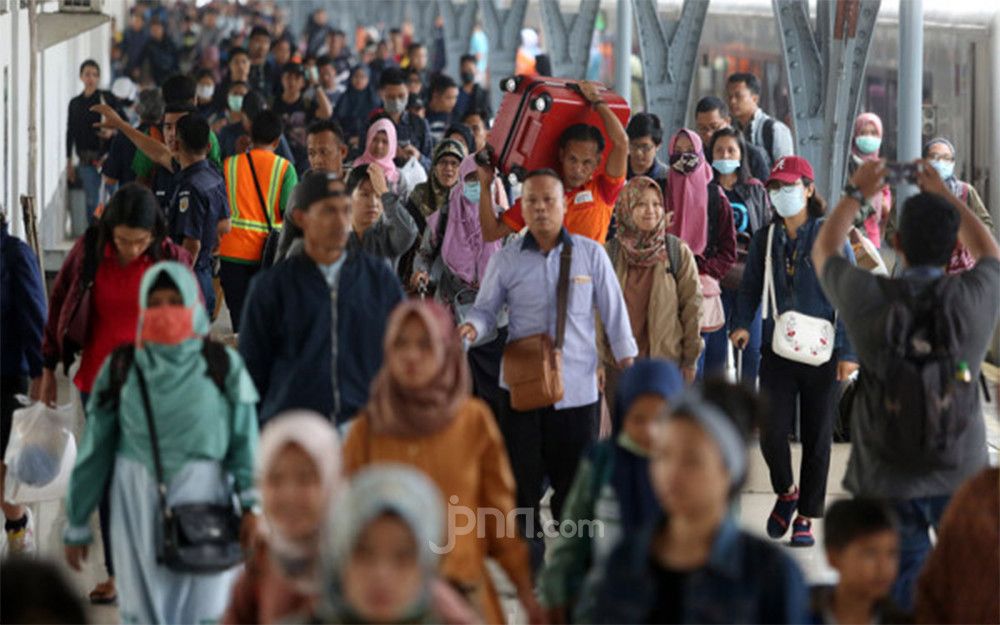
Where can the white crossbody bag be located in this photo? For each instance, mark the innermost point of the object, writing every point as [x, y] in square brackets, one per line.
[797, 337]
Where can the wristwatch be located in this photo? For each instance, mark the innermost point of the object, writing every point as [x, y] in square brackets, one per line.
[854, 193]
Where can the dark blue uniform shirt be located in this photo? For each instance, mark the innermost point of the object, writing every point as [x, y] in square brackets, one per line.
[198, 204]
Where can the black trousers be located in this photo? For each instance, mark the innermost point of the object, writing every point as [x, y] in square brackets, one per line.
[235, 279]
[484, 363]
[813, 389]
[545, 443]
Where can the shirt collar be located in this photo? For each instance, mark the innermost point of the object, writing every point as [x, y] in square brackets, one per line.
[331, 272]
[725, 556]
[530, 243]
[196, 167]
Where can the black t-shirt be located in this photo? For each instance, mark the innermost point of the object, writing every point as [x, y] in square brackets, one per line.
[668, 607]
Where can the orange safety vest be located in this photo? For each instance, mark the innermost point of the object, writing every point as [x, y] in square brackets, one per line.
[245, 242]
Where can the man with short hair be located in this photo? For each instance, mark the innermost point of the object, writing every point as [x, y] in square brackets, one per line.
[91, 147]
[759, 128]
[261, 76]
[471, 96]
[413, 136]
[943, 325]
[199, 209]
[327, 151]
[478, 120]
[331, 305]
[297, 113]
[235, 138]
[443, 95]
[523, 277]
[257, 181]
[710, 114]
[590, 192]
[419, 59]
[381, 226]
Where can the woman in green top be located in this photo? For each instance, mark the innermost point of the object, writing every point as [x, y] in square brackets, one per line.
[611, 495]
[203, 406]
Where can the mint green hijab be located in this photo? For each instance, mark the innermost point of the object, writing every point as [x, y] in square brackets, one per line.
[168, 368]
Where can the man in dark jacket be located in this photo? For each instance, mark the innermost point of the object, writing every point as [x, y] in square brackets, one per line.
[312, 327]
[22, 297]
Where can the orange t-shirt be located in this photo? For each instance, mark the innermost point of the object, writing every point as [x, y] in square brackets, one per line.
[588, 208]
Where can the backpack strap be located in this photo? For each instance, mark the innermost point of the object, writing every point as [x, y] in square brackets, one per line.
[673, 254]
[216, 362]
[767, 135]
[712, 215]
[121, 360]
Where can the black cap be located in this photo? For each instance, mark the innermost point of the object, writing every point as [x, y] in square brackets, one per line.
[316, 186]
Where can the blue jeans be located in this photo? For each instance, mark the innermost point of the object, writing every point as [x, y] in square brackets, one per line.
[713, 359]
[916, 517]
[91, 179]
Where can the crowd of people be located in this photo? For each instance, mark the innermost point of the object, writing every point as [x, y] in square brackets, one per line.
[367, 438]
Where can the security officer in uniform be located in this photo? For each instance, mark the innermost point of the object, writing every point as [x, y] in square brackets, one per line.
[199, 209]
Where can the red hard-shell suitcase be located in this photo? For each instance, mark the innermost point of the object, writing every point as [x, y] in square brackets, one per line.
[534, 112]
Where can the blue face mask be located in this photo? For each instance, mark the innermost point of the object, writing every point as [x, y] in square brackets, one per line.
[725, 165]
[789, 201]
[945, 169]
[868, 144]
[472, 191]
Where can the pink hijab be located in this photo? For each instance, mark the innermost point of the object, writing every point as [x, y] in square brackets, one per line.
[463, 249]
[859, 123]
[687, 197]
[386, 162]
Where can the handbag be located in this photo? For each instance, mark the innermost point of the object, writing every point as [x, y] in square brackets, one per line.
[532, 366]
[797, 337]
[713, 315]
[271, 243]
[194, 537]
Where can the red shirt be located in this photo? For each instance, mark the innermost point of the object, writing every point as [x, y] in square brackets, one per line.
[114, 312]
[588, 208]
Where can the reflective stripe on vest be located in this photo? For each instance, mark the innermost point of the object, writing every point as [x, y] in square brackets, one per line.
[245, 242]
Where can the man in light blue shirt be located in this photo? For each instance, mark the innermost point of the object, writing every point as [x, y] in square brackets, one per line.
[548, 442]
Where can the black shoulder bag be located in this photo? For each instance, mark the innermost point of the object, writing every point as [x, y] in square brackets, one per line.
[194, 537]
[271, 243]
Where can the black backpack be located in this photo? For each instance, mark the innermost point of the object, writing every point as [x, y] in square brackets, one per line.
[216, 362]
[922, 397]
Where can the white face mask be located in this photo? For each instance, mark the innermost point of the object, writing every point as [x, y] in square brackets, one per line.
[205, 92]
[788, 201]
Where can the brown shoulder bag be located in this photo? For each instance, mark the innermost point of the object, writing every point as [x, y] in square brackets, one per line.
[532, 366]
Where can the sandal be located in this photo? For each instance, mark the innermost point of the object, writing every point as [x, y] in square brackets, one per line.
[104, 593]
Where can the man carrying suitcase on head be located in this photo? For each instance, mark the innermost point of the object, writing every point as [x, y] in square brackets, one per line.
[590, 193]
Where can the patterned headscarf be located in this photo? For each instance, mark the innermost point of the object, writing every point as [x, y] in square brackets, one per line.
[641, 248]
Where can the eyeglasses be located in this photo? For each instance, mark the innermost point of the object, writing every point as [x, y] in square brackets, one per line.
[937, 158]
[640, 148]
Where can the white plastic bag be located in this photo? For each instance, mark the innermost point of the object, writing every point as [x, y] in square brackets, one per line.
[410, 175]
[40, 454]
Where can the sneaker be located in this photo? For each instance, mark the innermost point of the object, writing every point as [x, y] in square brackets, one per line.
[802, 533]
[781, 514]
[22, 541]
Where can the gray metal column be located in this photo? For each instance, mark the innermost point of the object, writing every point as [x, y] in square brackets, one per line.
[826, 69]
[503, 29]
[911, 86]
[568, 44]
[459, 18]
[422, 14]
[669, 53]
[623, 50]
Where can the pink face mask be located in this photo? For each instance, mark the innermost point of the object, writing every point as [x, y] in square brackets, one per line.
[167, 325]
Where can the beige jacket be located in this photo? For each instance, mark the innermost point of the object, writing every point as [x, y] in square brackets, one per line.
[674, 316]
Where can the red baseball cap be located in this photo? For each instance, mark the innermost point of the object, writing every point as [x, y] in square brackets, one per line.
[791, 169]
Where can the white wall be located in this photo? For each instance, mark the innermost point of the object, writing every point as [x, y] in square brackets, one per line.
[58, 82]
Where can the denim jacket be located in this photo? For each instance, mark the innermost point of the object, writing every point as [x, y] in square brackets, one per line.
[746, 580]
[806, 295]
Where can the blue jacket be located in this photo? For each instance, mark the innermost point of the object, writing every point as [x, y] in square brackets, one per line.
[746, 580]
[806, 295]
[22, 308]
[286, 338]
